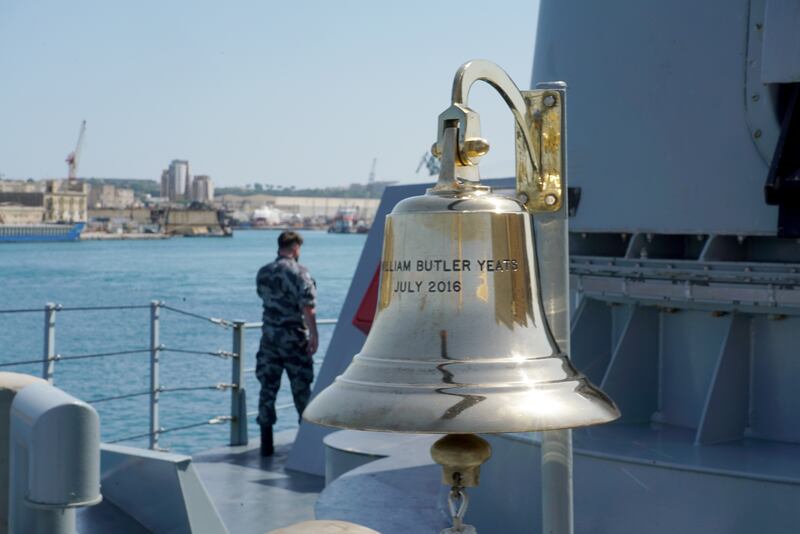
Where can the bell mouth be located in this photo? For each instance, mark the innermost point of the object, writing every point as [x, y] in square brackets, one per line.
[439, 407]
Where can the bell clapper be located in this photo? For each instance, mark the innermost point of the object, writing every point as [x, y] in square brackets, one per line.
[461, 457]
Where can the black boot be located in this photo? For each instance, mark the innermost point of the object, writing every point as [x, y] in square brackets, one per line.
[266, 441]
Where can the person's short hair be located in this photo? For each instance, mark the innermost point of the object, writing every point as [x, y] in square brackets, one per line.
[289, 238]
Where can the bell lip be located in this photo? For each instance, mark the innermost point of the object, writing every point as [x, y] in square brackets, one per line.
[613, 416]
[586, 411]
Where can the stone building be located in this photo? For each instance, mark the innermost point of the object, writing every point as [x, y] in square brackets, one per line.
[306, 207]
[65, 201]
[19, 214]
[110, 196]
[20, 186]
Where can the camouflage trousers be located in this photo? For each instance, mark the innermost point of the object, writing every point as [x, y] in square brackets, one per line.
[272, 358]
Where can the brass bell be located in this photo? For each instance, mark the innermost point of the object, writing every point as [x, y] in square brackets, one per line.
[461, 342]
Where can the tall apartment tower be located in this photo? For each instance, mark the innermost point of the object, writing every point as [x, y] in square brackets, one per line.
[187, 188]
[164, 183]
[177, 179]
[202, 189]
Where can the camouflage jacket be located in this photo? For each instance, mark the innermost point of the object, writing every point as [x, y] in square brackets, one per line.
[285, 288]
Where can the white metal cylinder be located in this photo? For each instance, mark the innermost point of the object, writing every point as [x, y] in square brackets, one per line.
[55, 460]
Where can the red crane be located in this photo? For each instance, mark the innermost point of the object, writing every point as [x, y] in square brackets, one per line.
[73, 158]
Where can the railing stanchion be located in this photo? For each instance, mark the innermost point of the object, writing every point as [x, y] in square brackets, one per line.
[155, 385]
[238, 393]
[49, 364]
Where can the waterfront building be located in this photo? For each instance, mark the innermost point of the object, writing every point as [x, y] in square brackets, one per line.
[20, 186]
[164, 184]
[187, 187]
[177, 180]
[12, 213]
[65, 201]
[22, 198]
[110, 196]
[306, 207]
[202, 189]
[53, 201]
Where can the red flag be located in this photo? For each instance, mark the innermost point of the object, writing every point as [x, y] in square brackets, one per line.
[366, 310]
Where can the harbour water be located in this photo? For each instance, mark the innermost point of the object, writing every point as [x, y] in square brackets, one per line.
[209, 277]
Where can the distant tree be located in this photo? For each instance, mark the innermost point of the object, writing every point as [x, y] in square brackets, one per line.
[372, 190]
[258, 187]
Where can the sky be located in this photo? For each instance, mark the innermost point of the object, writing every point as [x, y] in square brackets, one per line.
[302, 93]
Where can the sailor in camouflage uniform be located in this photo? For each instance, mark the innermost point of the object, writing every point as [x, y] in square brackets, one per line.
[289, 334]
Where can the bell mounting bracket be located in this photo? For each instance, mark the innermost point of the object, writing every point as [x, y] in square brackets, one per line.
[539, 136]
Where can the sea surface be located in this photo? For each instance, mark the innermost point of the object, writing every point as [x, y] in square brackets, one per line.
[210, 277]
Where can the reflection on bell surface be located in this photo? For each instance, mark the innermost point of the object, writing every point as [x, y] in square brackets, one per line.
[460, 342]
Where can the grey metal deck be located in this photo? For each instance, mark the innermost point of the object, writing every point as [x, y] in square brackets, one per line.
[107, 517]
[254, 494]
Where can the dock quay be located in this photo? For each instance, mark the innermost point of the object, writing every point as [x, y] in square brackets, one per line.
[106, 236]
[159, 220]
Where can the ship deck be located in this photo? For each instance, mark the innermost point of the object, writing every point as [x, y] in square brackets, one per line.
[254, 494]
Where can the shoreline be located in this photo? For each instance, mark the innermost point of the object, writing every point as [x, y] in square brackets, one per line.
[102, 236]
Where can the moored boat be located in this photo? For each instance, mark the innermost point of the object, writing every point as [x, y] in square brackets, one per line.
[40, 232]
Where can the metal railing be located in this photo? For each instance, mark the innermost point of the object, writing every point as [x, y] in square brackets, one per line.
[238, 400]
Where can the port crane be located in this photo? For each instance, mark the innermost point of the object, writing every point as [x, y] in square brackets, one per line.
[73, 158]
[372, 170]
[430, 162]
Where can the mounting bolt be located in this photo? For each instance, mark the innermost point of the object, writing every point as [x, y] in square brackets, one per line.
[757, 134]
[475, 147]
[523, 197]
[755, 97]
[550, 199]
[549, 101]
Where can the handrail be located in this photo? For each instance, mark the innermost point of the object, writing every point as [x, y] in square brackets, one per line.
[214, 320]
[100, 308]
[320, 322]
[22, 362]
[59, 307]
[59, 357]
[218, 387]
[117, 397]
[277, 408]
[213, 421]
[238, 416]
[219, 353]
